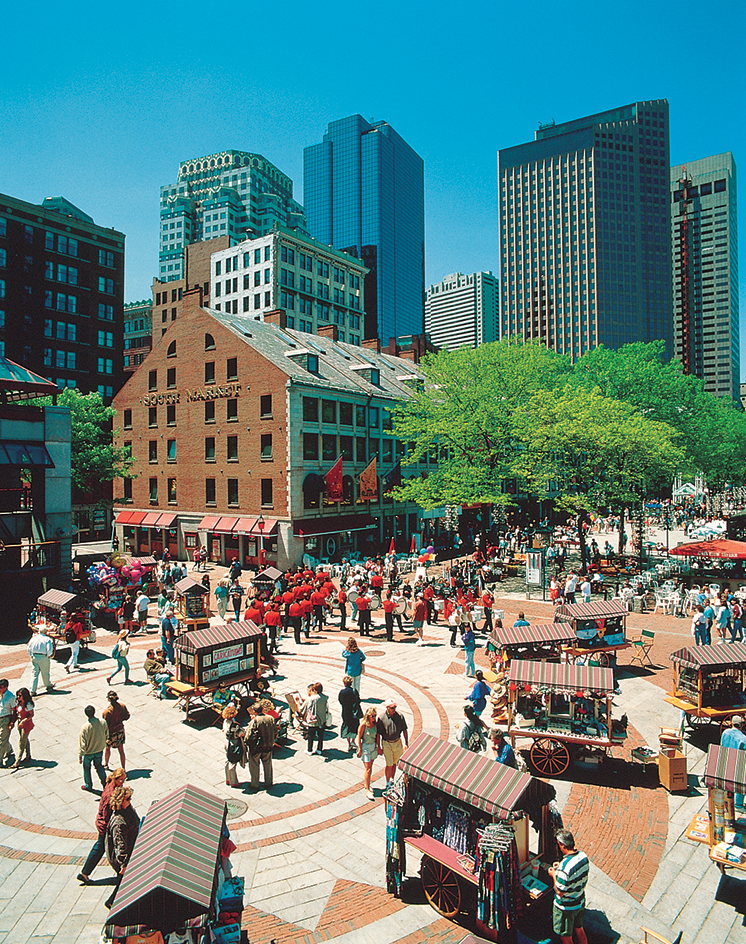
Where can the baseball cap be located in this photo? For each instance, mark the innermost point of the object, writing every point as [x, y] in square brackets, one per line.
[736, 720]
[391, 703]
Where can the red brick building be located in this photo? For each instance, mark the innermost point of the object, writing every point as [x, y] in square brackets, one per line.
[233, 424]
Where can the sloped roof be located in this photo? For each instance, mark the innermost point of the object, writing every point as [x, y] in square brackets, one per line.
[20, 383]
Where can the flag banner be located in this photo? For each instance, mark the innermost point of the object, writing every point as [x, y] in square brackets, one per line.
[413, 545]
[392, 547]
[392, 478]
[333, 482]
[369, 481]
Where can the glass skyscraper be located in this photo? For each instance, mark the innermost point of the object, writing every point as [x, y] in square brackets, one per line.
[364, 192]
[585, 246]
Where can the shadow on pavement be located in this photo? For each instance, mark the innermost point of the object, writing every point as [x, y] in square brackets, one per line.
[143, 774]
[598, 929]
[284, 789]
[732, 891]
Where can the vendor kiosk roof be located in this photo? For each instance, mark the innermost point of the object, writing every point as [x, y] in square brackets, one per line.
[214, 635]
[171, 874]
[189, 585]
[570, 611]
[58, 599]
[726, 769]
[531, 635]
[269, 575]
[579, 678]
[729, 655]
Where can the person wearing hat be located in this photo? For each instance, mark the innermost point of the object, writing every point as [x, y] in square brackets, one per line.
[390, 728]
[504, 753]
[115, 714]
[40, 650]
[735, 738]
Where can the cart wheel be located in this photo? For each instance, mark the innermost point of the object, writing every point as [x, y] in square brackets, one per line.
[551, 758]
[603, 659]
[582, 660]
[441, 887]
[696, 722]
[725, 724]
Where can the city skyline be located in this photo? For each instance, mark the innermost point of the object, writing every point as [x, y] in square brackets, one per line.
[106, 129]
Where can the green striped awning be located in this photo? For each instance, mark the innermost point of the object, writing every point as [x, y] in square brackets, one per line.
[472, 778]
[567, 612]
[726, 769]
[729, 655]
[213, 635]
[170, 875]
[533, 635]
[592, 678]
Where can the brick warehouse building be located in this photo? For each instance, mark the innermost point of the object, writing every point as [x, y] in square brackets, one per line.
[233, 423]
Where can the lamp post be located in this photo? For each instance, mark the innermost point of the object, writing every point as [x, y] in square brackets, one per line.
[260, 524]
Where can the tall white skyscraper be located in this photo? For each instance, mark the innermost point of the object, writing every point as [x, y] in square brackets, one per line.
[462, 311]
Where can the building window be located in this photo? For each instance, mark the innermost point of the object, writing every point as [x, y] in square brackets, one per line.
[232, 448]
[171, 450]
[172, 491]
[267, 501]
[128, 419]
[310, 410]
[209, 491]
[106, 285]
[232, 368]
[153, 450]
[345, 414]
[328, 447]
[105, 258]
[210, 411]
[210, 372]
[209, 342]
[373, 417]
[232, 491]
[209, 448]
[105, 365]
[359, 416]
[266, 446]
[153, 491]
[152, 416]
[360, 445]
[153, 380]
[171, 352]
[328, 411]
[311, 446]
[265, 406]
[127, 486]
[171, 415]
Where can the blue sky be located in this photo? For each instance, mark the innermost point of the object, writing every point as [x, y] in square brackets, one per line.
[101, 102]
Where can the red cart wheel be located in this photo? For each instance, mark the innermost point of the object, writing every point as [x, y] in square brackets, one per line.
[441, 887]
[550, 758]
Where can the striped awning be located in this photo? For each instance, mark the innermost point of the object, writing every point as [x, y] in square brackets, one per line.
[170, 875]
[222, 632]
[533, 635]
[726, 769]
[729, 655]
[57, 599]
[150, 520]
[577, 678]
[471, 778]
[129, 517]
[166, 519]
[572, 611]
[190, 585]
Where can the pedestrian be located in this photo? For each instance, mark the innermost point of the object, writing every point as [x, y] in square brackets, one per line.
[203, 557]
[388, 616]
[354, 658]
[521, 621]
[7, 720]
[570, 876]
[479, 692]
[735, 738]
[390, 728]
[115, 714]
[273, 622]
[235, 570]
[126, 614]
[504, 753]
[155, 669]
[195, 559]
[163, 602]
[722, 623]
[318, 599]
[91, 744]
[307, 610]
[470, 645]
[236, 594]
[222, 589]
[363, 612]
[169, 625]
[25, 722]
[295, 612]
[367, 740]
[471, 732]
[736, 629]
[570, 584]
[121, 833]
[75, 630]
[141, 608]
[342, 602]
[315, 714]
[120, 652]
[115, 779]
[700, 629]
[41, 650]
[585, 590]
[349, 699]
[260, 739]
[419, 616]
[454, 621]
[235, 747]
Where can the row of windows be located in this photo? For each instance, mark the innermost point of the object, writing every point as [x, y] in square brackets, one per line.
[333, 411]
[162, 297]
[231, 414]
[231, 371]
[232, 494]
[329, 447]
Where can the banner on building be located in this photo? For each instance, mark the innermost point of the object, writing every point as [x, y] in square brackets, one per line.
[392, 478]
[333, 482]
[369, 481]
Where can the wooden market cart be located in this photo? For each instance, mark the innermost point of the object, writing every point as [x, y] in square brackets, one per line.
[709, 683]
[229, 652]
[600, 630]
[565, 710]
[192, 604]
[447, 801]
[722, 826]
[49, 609]
[543, 642]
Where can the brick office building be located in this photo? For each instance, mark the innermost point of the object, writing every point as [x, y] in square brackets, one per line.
[233, 424]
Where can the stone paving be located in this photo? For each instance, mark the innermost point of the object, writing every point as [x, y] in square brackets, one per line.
[312, 848]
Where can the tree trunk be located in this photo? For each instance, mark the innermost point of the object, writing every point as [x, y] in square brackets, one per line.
[620, 546]
[581, 540]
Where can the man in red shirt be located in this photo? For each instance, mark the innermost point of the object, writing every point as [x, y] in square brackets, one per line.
[342, 599]
[418, 618]
[388, 616]
[273, 620]
[296, 618]
[487, 601]
[363, 612]
[376, 582]
[318, 598]
[253, 614]
[307, 608]
[288, 597]
[429, 597]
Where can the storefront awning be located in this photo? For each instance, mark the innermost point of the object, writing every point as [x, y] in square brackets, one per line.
[471, 778]
[726, 769]
[170, 874]
[24, 453]
[208, 522]
[533, 635]
[604, 608]
[150, 520]
[269, 529]
[244, 525]
[578, 678]
[57, 599]
[225, 524]
[729, 655]
[166, 520]
[222, 632]
[317, 527]
[130, 517]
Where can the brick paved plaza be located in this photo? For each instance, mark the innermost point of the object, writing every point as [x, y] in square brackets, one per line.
[312, 849]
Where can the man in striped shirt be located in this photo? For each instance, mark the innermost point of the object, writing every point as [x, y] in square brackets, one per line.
[570, 876]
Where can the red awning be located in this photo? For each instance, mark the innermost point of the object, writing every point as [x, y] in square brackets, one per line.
[129, 517]
[270, 528]
[332, 525]
[533, 635]
[225, 524]
[166, 520]
[726, 769]
[208, 522]
[244, 526]
[604, 608]
[720, 548]
[150, 520]
[729, 655]
[592, 678]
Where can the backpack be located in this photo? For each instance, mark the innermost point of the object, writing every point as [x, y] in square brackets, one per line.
[70, 636]
[476, 742]
[254, 740]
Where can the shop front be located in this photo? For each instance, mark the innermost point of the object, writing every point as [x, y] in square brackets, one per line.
[334, 537]
[251, 540]
[147, 533]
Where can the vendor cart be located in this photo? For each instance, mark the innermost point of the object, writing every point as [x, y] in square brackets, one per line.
[192, 604]
[600, 630]
[463, 812]
[565, 710]
[541, 643]
[722, 828]
[709, 683]
[49, 610]
[229, 652]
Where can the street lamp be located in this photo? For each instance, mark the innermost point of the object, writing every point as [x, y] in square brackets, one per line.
[260, 524]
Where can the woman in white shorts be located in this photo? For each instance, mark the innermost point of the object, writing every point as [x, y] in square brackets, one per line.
[366, 747]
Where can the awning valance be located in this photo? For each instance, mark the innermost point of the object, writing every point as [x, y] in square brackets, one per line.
[726, 769]
[222, 632]
[592, 678]
[316, 527]
[603, 608]
[729, 655]
[533, 635]
[471, 778]
[719, 548]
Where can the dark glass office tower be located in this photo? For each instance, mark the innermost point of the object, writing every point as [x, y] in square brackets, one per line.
[363, 191]
[585, 246]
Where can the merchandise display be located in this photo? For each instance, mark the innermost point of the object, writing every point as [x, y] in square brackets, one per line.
[709, 682]
[599, 626]
[724, 829]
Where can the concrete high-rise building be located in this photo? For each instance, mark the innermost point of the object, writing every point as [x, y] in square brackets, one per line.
[233, 193]
[585, 245]
[463, 311]
[704, 235]
[61, 294]
[364, 193]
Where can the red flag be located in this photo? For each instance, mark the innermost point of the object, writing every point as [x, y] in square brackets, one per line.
[333, 482]
[369, 482]
[413, 545]
[392, 547]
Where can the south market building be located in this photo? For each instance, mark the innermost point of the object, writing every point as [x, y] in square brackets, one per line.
[241, 430]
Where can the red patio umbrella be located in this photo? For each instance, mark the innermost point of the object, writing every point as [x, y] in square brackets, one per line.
[720, 548]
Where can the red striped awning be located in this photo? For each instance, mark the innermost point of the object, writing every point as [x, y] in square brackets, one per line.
[57, 599]
[129, 517]
[729, 655]
[244, 525]
[533, 635]
[208, 522]
[150, 520]
[166, 520]
[558, 675]
[269, 529]
[567, 612]
[471, 778]
[225, 524]
[726, 769]
[170, 874]
[222, 632]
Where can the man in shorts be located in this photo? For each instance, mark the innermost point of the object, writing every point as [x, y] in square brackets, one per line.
[390, 729]
[570, 876]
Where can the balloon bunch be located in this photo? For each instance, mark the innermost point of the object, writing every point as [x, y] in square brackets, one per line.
[102, 575]
[428, 556]
[133, 573]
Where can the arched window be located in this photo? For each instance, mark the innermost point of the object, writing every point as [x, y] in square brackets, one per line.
[311, 489]
[171, 352]
[348, 490]
[209, 342]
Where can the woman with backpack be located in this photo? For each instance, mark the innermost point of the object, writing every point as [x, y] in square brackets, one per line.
[471, 732]
[235, 746]
[120, 652]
